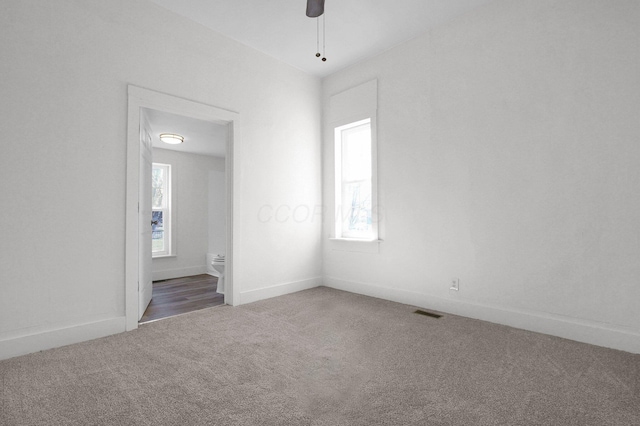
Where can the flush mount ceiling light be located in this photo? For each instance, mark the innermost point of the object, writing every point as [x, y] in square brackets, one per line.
[315, 8]
[172, 139]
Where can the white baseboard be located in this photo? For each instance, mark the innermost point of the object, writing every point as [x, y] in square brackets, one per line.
[592, 332]
[169, 274]
[23, 345]
[279, 290]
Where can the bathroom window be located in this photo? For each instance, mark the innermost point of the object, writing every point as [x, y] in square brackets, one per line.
[161, 210]
[355, 195]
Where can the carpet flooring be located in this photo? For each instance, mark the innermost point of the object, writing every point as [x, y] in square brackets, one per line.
[322, 357]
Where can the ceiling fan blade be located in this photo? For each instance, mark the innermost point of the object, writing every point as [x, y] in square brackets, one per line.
[315, 8]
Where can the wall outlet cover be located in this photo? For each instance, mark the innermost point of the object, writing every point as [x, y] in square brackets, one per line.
[455, 284]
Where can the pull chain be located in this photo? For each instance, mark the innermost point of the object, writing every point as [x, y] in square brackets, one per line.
[318, 37]
[323, 37]
[324, 41]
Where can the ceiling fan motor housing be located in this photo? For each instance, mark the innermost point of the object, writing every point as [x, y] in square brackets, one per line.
[315, 8]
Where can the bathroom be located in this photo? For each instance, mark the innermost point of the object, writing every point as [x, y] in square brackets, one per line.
[189, 217]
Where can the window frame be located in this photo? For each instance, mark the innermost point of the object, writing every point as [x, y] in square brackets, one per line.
[338, 127]
[166, 212]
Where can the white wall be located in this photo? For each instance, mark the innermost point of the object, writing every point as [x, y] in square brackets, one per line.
[509, 158]
[191, 219]
[217, 213]
[63, 157]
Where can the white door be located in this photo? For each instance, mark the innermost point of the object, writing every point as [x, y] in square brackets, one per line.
[145, 284]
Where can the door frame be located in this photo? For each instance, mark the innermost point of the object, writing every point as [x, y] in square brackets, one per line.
[144, 98]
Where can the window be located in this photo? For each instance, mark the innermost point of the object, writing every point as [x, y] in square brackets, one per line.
[351, 121]
[161, 210]
[354, 187]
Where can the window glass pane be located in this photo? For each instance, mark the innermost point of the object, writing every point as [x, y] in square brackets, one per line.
[354, 178]
[158, 179]
[157, 231]
[356, 202]
[356, 153]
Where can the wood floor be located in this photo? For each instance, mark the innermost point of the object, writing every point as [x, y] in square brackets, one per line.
[181, 295]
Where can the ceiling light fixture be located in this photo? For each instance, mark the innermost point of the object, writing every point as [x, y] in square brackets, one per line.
[171, 138]
[315, 9]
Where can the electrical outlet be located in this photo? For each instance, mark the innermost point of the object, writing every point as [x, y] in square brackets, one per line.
[455, 284]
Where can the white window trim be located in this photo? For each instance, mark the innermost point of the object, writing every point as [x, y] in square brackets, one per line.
[166, 214]
[337, 197]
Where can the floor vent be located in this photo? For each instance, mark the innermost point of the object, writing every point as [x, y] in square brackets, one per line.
[427, 313]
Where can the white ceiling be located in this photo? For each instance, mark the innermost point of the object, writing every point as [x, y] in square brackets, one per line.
[355, 29]
[200, 137]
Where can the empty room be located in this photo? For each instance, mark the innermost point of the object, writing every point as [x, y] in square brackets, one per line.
[418, 212]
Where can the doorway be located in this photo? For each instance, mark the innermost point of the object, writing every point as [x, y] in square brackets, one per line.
[135, 258]
[188, 214]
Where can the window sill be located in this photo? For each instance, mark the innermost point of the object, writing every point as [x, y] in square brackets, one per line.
[354, 245]
[357, 240]
[163, 256]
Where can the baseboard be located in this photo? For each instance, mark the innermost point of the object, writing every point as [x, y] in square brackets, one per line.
[23, 345]
[592, 332]
[168, 274]
[279, 290]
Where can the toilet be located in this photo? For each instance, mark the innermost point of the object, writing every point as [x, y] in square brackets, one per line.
[217, 263]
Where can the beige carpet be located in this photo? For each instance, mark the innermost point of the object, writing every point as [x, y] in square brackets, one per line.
[322, 357]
